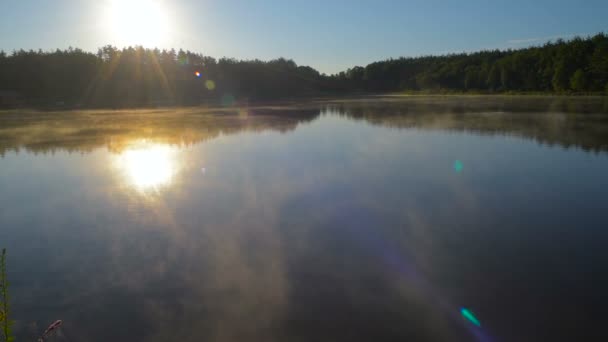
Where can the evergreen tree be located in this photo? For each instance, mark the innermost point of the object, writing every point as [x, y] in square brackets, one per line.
[578, 82]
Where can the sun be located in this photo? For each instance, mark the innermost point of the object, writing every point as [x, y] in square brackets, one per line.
[137, 22]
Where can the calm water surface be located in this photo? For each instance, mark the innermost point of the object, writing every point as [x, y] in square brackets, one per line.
[359, 220]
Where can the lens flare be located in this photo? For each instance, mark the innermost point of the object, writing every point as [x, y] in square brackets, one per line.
[198, 74]
[458, 166]
[183, 60]
[466, 313]
[210, 84]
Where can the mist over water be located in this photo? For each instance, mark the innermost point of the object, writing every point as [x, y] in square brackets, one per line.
[410, 219]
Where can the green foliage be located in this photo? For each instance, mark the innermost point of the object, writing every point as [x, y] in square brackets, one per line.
[471, 78]
[536, 69]
[5, 322]
[578, 82]
[493, 78]
[135, 76]
[560, 78]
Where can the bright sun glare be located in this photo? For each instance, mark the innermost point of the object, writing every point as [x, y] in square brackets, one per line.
[148, 166]
[137, 22]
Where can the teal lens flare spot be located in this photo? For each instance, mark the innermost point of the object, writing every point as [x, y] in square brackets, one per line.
[458, 166]
[466, 313]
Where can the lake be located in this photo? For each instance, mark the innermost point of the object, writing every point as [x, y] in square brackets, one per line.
[439, 218]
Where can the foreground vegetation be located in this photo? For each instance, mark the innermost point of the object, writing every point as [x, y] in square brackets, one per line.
[5, 322]
[135, 76]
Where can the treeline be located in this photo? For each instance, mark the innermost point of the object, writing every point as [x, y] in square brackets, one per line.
[578, 65]
[135, 76]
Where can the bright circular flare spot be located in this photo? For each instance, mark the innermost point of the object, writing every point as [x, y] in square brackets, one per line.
[148, 166]
[137, 22]
[197, 74]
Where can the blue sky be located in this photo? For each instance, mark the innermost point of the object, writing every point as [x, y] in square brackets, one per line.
[328, 35]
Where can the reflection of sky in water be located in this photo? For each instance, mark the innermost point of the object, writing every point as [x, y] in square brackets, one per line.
[337, 230]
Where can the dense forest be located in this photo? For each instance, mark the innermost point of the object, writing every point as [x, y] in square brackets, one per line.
[135, 76]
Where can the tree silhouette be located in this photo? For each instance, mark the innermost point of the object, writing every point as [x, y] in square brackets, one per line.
[134, 76]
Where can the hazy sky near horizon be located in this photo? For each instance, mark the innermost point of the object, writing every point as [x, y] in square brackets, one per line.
[327, 35]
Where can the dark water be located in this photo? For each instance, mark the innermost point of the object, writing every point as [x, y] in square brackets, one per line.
[359, 220]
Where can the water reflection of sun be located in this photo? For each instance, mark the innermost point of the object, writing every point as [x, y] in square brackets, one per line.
[147, 166]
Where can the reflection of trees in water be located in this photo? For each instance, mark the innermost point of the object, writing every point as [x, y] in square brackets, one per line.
[579, 121]
[116, 130]
[465, 104]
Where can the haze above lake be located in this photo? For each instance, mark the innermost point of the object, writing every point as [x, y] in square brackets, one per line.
[369, 219]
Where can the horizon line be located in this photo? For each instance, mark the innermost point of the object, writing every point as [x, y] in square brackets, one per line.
[540, 42]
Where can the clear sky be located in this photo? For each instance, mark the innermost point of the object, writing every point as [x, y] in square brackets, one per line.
[329, 35]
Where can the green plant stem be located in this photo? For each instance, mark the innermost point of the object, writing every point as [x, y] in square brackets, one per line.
[6, 323]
